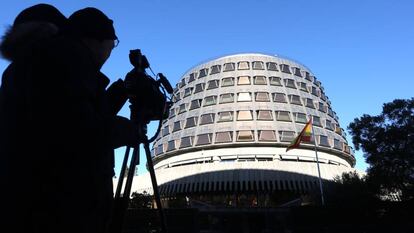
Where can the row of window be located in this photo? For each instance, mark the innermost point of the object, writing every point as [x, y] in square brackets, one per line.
[245, 136]
[246, 80]
[245, 65]
[247, 115]
[248, 97]
[242, 80]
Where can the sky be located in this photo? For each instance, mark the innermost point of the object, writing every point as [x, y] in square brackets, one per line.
[361, 51]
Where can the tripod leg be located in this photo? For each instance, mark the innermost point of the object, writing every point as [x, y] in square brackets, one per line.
[121, 203]
[130, 178]
[122, 174]
[155, 187]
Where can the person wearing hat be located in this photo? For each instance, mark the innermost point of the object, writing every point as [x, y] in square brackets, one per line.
[67, 128]
[31, 27]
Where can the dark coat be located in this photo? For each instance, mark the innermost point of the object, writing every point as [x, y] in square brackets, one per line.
[57, 134]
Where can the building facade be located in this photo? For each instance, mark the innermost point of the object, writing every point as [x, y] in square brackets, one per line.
[231, 122]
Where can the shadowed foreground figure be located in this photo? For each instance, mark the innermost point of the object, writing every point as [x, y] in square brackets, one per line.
[58, 129]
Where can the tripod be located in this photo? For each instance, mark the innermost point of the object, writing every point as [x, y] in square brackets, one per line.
[121, 202]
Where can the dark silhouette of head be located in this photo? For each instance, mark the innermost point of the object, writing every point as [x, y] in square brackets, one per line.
[95, 29]
[33, 24]
[41, 13]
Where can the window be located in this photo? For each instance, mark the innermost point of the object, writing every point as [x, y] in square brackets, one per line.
[182, 108]
[188, 91]
[300, 118]
[347, 149]
[172, 113]
[226, 82]
[171, 145]
[207, 119]
[283, 116]
[243, 65]
[159, 149]
[264, 115]
[243, 80]
[199, 87]
[212, 84]
[307, 76]
[215, 69]
[309, 103]
[210, 100]
[227, 98]
[338, 144]
[244, 97]
[271, 66]
[182, 83]
[191, 122]
[323, 141]
[321, 107]
[328, 124]
[203, 73]
[275, 81]
[318, 84]
[222, 137]
[330, 112]
[177, 126]
[229, 67]
[303, 87]
[245, 136]
[315, 91]
[316, 121]
[186, 142]
[244, 115]
[286, 136]
[165, 131]
[204, 139]
[294, 99]
[290, 83]
[296, 71]
[192, 77]
[195, 104]
[285, 68]
[279, 98]
[267, 135]
[323, 97]
[177, 97]
[260, 80]
[262, 97]
[338, 129]
[225, 116]
[258, 65]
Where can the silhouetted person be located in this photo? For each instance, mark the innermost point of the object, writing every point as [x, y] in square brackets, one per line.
[59, 128]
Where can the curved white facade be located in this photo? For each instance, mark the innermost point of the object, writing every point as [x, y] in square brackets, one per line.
[231, 122]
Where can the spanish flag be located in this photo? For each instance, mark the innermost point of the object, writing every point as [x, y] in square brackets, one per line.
[304, 136]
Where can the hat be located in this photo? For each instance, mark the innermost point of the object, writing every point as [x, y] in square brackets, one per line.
[41, 13]
[92, 23]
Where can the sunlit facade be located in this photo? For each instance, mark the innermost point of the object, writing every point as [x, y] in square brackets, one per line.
[231, 122]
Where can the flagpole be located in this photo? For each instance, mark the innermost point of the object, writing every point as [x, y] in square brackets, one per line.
[319, 170]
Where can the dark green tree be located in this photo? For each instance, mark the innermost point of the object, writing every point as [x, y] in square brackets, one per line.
[387, 141]
[140, 201]
[351, 189]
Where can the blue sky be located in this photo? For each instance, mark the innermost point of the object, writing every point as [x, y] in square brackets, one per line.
[361, 51]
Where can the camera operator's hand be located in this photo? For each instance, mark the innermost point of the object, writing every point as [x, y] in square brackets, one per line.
[124, 133]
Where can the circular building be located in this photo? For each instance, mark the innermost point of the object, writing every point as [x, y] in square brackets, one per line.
[229, 127]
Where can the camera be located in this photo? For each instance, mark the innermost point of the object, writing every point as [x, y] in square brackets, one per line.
[146, 94]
